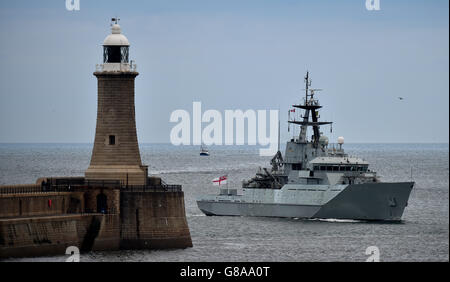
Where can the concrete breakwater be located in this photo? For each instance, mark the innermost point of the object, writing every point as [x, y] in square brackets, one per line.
[46, 218]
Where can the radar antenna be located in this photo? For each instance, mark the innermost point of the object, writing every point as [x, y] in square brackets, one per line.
[311, 107]
[313, 91]
[307, 83]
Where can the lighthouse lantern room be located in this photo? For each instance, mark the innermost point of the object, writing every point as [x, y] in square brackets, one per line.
[116, 50]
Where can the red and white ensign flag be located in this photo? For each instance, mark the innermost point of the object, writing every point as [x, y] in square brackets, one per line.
[220, 180]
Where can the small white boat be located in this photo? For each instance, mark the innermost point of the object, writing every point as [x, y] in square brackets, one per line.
[204, 151]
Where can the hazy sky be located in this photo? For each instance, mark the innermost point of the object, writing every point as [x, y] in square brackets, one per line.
[229, 55]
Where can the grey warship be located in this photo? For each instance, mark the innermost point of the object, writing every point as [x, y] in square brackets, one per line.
[313, 181]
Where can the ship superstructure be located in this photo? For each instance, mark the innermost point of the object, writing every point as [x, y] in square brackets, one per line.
[313, 180]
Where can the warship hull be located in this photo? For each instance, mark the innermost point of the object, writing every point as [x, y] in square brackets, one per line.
[369, 201]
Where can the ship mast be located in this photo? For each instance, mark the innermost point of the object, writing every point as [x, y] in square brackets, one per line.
[309, 105]
[304, 127]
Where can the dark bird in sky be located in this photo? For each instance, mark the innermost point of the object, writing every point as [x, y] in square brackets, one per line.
[400, 98]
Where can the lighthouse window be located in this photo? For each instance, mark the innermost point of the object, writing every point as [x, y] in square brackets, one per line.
[111, 54]
[115, 54]
[124, 54]
[112, 140]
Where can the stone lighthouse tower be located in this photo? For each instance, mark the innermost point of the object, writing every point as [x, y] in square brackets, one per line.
[116, 151]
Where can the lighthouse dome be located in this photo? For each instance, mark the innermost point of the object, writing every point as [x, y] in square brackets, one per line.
[116, 38]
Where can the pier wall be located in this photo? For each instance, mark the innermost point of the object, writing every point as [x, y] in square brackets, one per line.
[40, 203]
[51, 235]
[36, 223]
[154, 220]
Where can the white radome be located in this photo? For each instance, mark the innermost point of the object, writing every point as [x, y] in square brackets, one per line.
[116, 38]
[341, 140]
[323, 140]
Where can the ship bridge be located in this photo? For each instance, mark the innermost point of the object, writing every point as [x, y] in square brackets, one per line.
[338, 164]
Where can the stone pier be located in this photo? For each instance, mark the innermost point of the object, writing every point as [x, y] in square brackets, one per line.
[45, 219]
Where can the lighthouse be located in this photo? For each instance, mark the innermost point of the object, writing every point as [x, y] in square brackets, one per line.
[116, 205]
[115, 155]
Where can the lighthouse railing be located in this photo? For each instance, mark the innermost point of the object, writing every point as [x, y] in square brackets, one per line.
[116, 67]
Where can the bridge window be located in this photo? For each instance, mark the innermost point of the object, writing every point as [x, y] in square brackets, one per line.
[339, 167]
[297, 166]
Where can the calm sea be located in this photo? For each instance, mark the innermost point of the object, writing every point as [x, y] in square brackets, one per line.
[422, 236]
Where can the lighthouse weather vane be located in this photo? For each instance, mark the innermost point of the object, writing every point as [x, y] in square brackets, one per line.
[116, 20]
